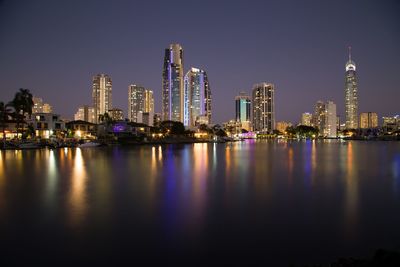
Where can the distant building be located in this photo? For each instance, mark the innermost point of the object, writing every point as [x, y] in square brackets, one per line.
[263, 108]
[197, 98]
[172, 84]
[391, 124]
[330, 123]
[351, 94]
[140, 101]
[40, 107]
[368, 120]
[282, 126]
[243, 110]
[85, 113]
[101, 95]
[318, 116]
[232, 127]
[306, 119]
[116, 114]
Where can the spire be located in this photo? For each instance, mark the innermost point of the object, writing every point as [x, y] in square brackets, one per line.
[349, 53]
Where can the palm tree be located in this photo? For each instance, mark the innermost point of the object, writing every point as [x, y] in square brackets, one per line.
[22, 104]
[5, 112]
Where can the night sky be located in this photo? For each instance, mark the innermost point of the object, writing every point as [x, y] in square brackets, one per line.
[55, 47]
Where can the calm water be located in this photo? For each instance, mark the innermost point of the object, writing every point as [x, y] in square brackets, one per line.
[242, 203]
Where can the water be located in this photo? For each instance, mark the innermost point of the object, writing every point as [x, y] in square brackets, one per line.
[269, 203]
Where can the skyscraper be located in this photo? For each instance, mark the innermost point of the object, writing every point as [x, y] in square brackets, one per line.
[197, 98]
[172, 84]
[263, 108]
[318, 116]
[140, 104]
[243, 110]
[350, 91]
[330, 117]
[101, 94]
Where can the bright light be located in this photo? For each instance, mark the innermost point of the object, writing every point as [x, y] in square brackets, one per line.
[78, 133]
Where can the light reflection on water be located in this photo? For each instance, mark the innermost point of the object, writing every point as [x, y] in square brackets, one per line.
[290, 195]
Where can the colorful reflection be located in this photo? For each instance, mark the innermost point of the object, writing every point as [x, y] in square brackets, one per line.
[77, 194]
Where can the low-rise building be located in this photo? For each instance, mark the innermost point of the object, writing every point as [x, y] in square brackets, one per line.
[81, 129]
[47, 124]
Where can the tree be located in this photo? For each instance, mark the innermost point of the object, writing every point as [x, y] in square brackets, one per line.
[22, 104]
[5, 113]
[172, 127]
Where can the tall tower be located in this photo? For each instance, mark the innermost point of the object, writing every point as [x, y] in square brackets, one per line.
[350, 92]
[140, 102]
[243, 110]
[136, 103]
[263, 108]
[172, 84]
[197, 98]
[101, 94]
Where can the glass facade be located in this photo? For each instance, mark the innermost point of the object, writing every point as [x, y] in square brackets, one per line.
[351, 98]
[197, 98]
[101, 94]
[263, 108]
[172, 83]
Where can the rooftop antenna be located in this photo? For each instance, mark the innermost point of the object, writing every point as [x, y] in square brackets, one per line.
[349, 53]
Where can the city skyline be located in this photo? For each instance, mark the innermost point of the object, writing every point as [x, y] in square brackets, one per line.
[303, 60]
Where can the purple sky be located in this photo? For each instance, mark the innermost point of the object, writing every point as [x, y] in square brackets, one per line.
[55, 47]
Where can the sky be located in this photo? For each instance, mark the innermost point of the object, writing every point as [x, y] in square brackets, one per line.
[55, 47]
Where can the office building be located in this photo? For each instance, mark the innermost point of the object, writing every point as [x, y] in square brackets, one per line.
[172, 84]
[101, 95]
[263, 108]
[197, 98]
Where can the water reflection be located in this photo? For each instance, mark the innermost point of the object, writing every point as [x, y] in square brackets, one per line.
[51, 179]
[351, 191]
[77, 194]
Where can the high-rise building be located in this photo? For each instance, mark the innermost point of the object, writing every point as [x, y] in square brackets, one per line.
[350, 91]
[40, 107]
[172, 84]
[197, 98]
[391, 124]
[101, 94]
[330, 120]
[306, 119]
[116, 114]
[243, 110]
[318, 116]
[368, 120]
[140, 104]
[263, 108]
[85, 113]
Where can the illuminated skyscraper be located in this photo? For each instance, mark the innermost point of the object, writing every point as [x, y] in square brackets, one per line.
[350, 90]
[263, 108]
[318, 116]
[101, 94]
[197, 98]
[140, 104]
[330, 120]
[172, 84]
[243, 110]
